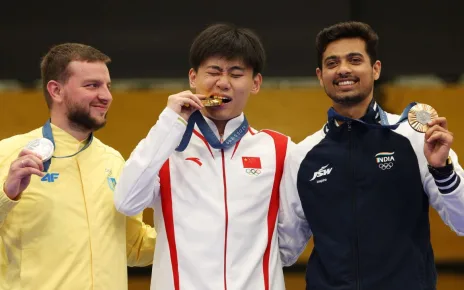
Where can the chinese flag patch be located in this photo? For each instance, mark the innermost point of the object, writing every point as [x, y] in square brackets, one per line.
[251, 162]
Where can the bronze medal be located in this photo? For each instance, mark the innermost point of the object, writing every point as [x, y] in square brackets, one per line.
[420, 115]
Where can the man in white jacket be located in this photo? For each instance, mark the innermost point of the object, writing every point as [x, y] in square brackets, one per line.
[212, 180]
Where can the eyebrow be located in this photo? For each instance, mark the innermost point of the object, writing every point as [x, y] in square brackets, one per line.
[351, 54]
[235, 67]
[332, 57]
[108, 84]
[355, 54]
[95, 81]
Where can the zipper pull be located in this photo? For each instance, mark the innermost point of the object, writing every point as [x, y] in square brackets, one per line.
[349, 125]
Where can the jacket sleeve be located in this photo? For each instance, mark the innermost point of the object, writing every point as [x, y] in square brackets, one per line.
[6, 204]
[140, 241]
[140, 237]
[6, 155]
[138, 184]
[446, 194]
[293, 228]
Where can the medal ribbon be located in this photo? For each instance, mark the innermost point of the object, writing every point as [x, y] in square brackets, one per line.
[383, 117]
[48, 134]
[213, 141]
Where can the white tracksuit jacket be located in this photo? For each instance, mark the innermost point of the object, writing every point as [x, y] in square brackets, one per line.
[215, 210]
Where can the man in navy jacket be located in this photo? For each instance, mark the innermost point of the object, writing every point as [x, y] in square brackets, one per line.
[366, 179]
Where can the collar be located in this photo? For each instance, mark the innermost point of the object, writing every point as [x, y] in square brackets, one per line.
[372, 116]
[231, 126]
[65, 143]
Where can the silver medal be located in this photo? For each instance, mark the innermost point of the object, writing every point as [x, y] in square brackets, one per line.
[41, 146]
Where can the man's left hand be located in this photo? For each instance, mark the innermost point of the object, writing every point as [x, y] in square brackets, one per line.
[437, 143]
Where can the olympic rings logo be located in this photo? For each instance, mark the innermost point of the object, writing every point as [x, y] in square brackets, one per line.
[386, 166]
[253, 171]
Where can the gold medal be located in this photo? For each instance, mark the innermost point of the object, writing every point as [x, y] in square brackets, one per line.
[212, 101]
[420, 115]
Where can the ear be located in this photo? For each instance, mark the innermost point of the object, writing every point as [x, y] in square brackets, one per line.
[376, 69]
[319, 76]
[257, 81]
[56, 91]
[192, 78]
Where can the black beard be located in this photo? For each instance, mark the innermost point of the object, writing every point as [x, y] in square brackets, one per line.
[349, 100]
[81, 120]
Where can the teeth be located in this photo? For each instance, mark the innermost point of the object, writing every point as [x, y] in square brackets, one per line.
[216, 97]
[224, 99]
[346, 83]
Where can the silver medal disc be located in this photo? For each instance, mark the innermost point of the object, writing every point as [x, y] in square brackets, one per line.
[41, 146]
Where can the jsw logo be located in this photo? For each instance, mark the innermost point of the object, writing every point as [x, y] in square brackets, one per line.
[322, 172]
[50, 177]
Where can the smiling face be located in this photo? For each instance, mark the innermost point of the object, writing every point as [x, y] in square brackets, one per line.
[86, 95]
[347, 73]
[231, 79]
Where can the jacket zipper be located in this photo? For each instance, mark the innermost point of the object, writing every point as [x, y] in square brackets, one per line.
[356, 238]
[226, 217]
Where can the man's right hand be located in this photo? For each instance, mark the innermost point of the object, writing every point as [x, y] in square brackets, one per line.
[19, 175]
[178, 101]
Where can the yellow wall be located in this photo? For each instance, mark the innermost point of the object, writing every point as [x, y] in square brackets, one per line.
[295, 112]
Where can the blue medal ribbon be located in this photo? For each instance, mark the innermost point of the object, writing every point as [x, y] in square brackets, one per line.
[48, 134]
[383, 117]
[213, 141]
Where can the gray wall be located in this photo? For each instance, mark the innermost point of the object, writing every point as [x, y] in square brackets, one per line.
[148, 39]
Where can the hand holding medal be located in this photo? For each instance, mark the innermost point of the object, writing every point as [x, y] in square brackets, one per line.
[42, 147]
[30, 161]
[185, 103]
[423, 118]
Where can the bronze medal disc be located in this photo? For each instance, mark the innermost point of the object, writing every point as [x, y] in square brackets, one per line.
[420, 115]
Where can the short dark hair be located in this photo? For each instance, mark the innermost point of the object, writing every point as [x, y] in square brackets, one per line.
[350, 29]
[54, 65]
[228, 41]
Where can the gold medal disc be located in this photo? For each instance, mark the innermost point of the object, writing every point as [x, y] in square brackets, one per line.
[420, 115]
[212, 101]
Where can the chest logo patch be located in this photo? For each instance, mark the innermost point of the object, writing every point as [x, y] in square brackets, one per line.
[323, 171]
[110, 179]
[385, 160]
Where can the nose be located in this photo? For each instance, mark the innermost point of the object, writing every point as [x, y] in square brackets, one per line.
[344, 68]
[223, 82]
[105, 95]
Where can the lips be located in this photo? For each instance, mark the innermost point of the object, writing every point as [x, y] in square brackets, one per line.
[101, 108]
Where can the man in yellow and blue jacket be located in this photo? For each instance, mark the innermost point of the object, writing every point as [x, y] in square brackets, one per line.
[58, 225]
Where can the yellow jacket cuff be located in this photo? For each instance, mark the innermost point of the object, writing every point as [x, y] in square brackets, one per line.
[6, 204]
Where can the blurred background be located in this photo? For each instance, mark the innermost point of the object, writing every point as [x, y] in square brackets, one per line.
[421, 46]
